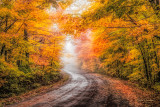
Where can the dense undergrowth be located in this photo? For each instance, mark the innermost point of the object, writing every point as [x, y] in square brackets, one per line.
[14, 82]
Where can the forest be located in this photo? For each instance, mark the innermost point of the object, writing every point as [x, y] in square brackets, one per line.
[29, 47]
[118, 38]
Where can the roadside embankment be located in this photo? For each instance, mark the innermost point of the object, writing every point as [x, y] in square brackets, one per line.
[35, 92]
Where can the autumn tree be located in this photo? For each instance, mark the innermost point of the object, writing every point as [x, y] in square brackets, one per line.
[129, 27]
[125, 38]
[29, 48]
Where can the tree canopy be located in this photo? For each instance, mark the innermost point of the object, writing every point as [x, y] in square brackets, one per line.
[124, 39]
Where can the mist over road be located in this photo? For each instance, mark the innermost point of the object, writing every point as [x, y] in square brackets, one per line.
[83, 89]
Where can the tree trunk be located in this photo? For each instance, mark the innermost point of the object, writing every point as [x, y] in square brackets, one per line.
[146, 65]
[157, 76]
[8, 27]
[26, 38]
[6, 55]
[18, 63]
[155, 54]
[25, 34]
[6, 21]
[3, 48]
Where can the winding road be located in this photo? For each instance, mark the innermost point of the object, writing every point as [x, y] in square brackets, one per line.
[83, 89]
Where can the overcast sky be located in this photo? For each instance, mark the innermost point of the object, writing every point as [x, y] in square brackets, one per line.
[77, 7]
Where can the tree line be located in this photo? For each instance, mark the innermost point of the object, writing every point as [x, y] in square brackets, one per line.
[120, 38]
[29, 48]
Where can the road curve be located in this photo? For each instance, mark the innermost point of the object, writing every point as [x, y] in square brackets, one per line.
[83, 89]
[76, 92]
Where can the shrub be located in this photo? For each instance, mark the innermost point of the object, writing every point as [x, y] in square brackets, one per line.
[13, 81]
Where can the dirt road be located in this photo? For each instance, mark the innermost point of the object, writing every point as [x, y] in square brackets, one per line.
[85, 89]
[82, 90]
